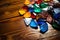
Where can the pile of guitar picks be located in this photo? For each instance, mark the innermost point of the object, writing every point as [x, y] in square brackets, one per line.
[37, 13]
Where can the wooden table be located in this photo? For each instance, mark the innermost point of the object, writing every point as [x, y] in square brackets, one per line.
[12, 26]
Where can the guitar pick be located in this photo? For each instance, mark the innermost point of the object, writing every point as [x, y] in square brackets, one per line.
[25, 7]
[41, 21]
[44, 28]
[27, 2]
[33, 16]
[33, 24]
[31, 9]
[55, 25]
[57, 16]
[27, 15]
[43, 5]
[36, 5]
[22, 11]
[27, 21]
[39, 1]
[56, 10]
[37, 10]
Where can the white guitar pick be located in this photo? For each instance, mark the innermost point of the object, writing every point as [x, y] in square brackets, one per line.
[27, 21]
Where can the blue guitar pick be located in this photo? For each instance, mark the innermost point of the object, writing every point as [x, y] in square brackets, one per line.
[56, 10]
[44, 28]
[31, 9]
[33, 24]
[41, 21]
[56, 16]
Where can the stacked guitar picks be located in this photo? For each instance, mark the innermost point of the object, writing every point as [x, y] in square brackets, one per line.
[40, 12]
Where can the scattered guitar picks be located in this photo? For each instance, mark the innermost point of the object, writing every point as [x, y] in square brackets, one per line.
[37, 13]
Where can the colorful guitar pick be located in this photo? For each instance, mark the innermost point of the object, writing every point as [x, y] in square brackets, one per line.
[27, 21]
[33, 24]
[56, 10]
[27, 15]
[22, 11]
[33, 16]
[27, 2]
[43, 5]
[31, 9]
[39, 1]
[44, 28]
[55, 25]
[57, 16]
[41, 21]
[37, 10]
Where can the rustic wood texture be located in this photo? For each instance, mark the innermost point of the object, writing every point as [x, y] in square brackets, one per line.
[12, 26]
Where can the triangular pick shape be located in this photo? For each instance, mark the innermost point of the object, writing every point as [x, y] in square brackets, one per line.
[44, 28]
[33, 24]
[27, 21]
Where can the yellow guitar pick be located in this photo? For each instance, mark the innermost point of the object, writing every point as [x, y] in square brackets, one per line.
[22, 11]
[27, 2]
[27, 15]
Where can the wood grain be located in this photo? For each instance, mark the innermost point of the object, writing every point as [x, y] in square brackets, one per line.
[12, 26]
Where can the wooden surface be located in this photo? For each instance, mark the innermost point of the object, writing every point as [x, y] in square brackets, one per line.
[12, 26]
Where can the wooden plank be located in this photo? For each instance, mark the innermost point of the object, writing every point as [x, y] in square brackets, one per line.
[10, 8]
